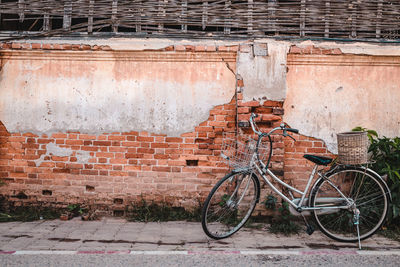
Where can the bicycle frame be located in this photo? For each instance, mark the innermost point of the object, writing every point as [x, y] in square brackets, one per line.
[263, 171]
[299, 206]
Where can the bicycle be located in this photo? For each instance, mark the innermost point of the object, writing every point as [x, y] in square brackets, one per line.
[349, 203]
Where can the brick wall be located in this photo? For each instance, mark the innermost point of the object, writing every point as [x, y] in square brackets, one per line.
[297, 169]
[122, 167]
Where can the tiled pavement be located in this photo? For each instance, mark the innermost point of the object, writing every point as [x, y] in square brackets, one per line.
[110, 234]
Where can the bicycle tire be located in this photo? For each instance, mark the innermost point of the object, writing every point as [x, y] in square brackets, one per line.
[229, 206]
[370, 196]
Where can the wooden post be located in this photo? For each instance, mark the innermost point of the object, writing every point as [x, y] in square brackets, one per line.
[161, 13]
[271, 16]
[303, 18]
[184, 16]
[250, 21]
[379, 19]
[205, 16]
[67, 16]
[138, 17]
[90, 17]
[46, 21]
[353, 17]
[21, 7]
[327, 17]
[114, 11]
[227, 28]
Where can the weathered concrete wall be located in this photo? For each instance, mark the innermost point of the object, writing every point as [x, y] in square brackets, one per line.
[110, 120]
[328, 94]
[263, 69]
[107, 91]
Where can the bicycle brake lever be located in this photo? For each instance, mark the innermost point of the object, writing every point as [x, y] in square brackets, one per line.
[292, 137]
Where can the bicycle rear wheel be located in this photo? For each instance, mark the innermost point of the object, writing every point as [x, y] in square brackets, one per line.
[230, 204]
[368, 194]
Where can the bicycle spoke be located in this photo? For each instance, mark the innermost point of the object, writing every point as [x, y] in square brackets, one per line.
[368, 197]
[229, 205]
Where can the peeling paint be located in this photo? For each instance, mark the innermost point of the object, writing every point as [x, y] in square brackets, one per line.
[53, 150]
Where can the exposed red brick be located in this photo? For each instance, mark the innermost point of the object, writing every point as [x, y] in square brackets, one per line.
[200, 48]
[240, 83]
[249, 104]
[66, 46]
[86, 47]
[173, 139]
[6, 45]
[180, 48]
[336, 51]
[169, 48]
[47, 46]
[295, 50]
[223, 48]
[189, 48]
[26, 46]
[233, 48]
[76, 47]
[16, 46]
[211, 48]
[101, 143]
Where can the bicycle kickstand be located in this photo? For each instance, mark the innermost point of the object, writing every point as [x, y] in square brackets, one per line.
[357, 224]
[310, 229]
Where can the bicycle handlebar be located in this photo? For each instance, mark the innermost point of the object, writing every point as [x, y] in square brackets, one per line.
[292, 130]
[281, 127]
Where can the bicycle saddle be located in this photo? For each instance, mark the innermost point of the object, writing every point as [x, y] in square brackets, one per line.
[318, 159]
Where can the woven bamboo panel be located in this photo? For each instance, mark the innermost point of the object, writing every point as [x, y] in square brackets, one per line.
[352, 147]
[342, 19]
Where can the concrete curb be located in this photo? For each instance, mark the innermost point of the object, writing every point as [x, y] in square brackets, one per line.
[207, 252]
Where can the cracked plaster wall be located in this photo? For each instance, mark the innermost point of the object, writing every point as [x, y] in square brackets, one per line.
[264, 76]
[102, 92]
[327, 95]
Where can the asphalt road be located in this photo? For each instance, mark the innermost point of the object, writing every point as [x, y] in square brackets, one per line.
[199, 260]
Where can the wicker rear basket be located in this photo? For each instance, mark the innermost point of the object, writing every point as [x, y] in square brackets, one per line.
[353, 147]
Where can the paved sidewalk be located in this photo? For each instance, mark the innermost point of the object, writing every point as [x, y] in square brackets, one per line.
[118, 235]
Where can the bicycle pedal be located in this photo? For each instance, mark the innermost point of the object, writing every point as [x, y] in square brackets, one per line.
[310, 230]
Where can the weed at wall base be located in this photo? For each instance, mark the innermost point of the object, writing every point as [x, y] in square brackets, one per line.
[143, 211]
[285, 223]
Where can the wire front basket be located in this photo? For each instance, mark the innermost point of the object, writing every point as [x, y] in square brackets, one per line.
[239, 150]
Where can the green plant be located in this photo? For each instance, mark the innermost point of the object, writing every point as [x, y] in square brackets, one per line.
[370, 133]
[143, 211]
[385, 155]
[270, 202]
[29, 213]
[392, 233]
[75, 209]
[285, 223]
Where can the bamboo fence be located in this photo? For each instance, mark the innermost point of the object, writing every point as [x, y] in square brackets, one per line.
[335, 19]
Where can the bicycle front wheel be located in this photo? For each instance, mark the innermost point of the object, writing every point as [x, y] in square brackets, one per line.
[364, 189]
[230, 204]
